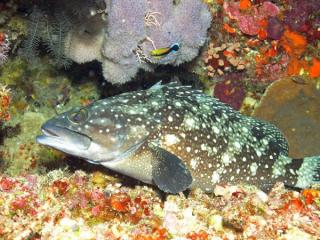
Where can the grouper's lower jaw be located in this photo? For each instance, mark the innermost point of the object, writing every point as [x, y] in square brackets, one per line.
[63, 139]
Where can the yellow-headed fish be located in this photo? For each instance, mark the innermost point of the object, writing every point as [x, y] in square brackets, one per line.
[161, 52]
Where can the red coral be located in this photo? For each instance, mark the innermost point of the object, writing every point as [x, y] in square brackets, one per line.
[19, 203]
[6, 184]
[60, 186]
[230, 91]
[201, 235]
[120, 202]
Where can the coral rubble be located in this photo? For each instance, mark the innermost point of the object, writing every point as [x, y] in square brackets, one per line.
[60, 205]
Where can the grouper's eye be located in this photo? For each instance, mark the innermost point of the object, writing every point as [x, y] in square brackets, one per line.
[78, 116]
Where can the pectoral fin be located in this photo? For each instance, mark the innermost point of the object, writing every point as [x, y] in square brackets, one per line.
[169, 173]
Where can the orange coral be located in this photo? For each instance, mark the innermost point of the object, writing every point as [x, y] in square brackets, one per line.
[295, 65]
[228, 28]
[315, 68]
[245, 4]
[293, 43]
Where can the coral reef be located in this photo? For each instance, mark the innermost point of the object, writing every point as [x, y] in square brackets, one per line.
[135, 28]
[269, 46]
[28, 106]
[292, 104]
[60, 205]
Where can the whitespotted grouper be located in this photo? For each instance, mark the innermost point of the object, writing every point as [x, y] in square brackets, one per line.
[178, 138]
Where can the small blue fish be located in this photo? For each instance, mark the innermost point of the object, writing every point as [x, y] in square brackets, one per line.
[178, 138]
[161, 52]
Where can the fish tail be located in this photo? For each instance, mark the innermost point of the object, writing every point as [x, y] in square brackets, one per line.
[309, 172]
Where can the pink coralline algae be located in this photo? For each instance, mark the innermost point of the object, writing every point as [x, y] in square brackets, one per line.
[249, 22]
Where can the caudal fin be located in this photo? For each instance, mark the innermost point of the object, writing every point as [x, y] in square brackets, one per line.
[309, 172]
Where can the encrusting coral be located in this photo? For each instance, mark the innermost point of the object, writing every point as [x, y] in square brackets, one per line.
[135, 28]
[292, 104]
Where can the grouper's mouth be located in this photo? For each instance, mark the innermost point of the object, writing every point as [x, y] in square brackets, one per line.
[63, 139]
[77, 144]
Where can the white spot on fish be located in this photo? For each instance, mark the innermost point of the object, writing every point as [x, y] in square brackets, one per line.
[178, 104]
[225, 158]
[258, 153]
[237, 145]
[215, 178]
[171, 139]
[203, 147]
[215, 130]
[194, 163]
[253, 168]
[190, 122]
